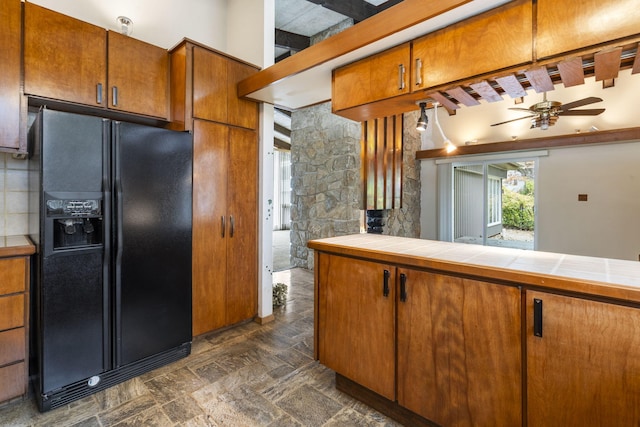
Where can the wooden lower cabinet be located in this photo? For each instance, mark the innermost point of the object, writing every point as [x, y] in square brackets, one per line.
[450, 346]
[14, 303]
[225, 262]
[459, 350]
[356, 321]
[583, 366]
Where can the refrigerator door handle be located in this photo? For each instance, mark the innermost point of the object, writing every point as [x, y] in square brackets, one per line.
[118, 249]
[223, 225]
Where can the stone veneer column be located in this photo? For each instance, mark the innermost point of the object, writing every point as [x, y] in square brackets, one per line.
[325, 177]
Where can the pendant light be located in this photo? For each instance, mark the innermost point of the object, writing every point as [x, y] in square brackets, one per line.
[423, 121]
[448, 145]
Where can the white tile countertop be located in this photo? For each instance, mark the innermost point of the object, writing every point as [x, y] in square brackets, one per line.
[604, 277]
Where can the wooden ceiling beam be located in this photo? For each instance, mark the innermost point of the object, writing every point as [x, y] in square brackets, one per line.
[397, 18]
[293, 41]
[600, 137]
[358, 10]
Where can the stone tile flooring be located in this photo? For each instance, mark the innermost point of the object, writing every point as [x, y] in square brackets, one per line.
[250, 375]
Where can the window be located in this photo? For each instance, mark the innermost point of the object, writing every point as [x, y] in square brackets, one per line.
[490, 201]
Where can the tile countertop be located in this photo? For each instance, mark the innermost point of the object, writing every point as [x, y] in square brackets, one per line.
[16, 246]
[602, 277]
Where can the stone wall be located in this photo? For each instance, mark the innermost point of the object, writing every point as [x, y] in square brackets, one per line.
[325, 176]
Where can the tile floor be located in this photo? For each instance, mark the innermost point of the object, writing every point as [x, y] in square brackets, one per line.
[250, 375]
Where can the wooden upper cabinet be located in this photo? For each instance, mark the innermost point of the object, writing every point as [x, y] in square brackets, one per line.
[570, 25]
[138, 76]
[64, 58]
[10, 74]
[374, 78]
[491, 41]
[459, 350]
[215, 98]
[583, 361]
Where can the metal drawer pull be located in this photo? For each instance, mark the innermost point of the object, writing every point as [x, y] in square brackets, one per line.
[114, 97]
[99, 93]
[401, 77]
[418, 72]
[385, 286]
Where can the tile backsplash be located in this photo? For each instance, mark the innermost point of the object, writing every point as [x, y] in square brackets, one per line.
[14, 186]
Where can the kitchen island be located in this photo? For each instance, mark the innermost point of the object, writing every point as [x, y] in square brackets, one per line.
[439, 333]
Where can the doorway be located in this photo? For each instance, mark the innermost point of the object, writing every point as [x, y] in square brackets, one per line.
[493, 203]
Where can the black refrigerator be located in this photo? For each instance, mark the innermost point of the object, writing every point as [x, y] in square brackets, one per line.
[110, 206]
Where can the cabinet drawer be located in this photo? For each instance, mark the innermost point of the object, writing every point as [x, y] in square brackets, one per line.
[12, 381]
[12, 275]
[12, 346]
[11, 312]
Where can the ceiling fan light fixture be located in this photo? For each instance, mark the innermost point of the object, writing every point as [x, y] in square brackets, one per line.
[423, 120]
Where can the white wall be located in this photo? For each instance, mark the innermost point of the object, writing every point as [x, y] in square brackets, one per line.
[606, 225]
[160, 22]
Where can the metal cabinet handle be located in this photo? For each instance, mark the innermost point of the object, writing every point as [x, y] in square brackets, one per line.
[418, 72]
[114, 96]
[401, 71]
[537, 317]
[233, 226]
[223, 225]
[99, 93]
[385, 286]
[403, 287]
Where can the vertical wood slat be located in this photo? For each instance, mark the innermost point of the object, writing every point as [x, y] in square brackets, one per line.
[381, 163]
[398, 158]
[607, 64]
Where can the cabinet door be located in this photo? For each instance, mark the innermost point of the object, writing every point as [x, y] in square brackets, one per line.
[459, 350]
[10, 18]
[242, 226]
[497, 39]
[240, 112]
[390, 72]
[210, 88]
[356, 327]
[375, 78]
[138, 76]
[583, 369]
[64, 58]
[209, 225]
[569, 25]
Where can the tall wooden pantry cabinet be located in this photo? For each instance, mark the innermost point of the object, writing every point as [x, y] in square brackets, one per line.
[225, 191]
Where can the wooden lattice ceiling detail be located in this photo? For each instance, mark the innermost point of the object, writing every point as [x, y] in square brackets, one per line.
[571, 71]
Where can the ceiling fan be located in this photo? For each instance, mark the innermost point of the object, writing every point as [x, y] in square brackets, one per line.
[546, 113]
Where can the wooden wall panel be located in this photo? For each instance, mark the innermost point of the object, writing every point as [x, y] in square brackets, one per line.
[381, 163]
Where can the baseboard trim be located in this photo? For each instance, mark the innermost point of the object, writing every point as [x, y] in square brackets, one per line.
[264, 320]
[381, 404]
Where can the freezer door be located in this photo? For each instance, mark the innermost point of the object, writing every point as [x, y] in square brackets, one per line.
[152, 223]
[71, 327]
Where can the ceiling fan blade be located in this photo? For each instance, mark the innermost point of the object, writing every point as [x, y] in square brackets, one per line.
[519, 109]
[513, 120]
[580, 103]
[587, 112]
